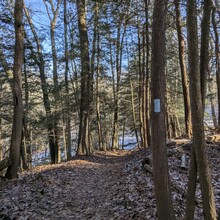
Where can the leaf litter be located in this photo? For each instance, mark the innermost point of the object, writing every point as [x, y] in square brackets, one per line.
[104, 186]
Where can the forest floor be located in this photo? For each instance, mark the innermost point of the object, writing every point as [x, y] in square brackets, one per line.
[105, 186]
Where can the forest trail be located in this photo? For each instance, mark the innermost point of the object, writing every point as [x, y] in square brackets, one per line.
[104, 186]
[84, 188]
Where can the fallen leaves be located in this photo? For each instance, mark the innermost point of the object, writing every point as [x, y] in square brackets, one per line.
[107, 185]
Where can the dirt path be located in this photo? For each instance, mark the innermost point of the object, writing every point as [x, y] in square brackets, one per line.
[105, 186]
[86, 188]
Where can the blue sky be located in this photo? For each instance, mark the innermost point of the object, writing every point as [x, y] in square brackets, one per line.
[39, 11]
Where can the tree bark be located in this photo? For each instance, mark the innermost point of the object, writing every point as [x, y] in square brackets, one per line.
[160, 164]
[134, 113]
[83, 141]
[147, 74]
[12, 170]
[118, 60]
[204, 48]
[217, 63]
[56, 89]
[185, 84]
[67, 99]
[140, 89]
[197, 114]
[99, 123]
[191, 192]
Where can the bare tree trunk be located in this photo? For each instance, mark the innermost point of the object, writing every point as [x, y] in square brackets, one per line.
[133, 113]
[185, 84]
[190, 197]
[144, 98]
[214, 119]
[67, 99]
[197, 114]
[147, 74]
[25, 134]
[116, 92]
[41, 64]
[204, 48]
[97, 91]
[217, 57]
[140, 89]
[211, 90]
[12, 170]
[96, 53]
[83, 141]
[56, 89]
[160, 164]
[119, 47]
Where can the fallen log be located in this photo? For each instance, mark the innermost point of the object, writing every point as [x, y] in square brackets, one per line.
[213, 138]
[5, 163]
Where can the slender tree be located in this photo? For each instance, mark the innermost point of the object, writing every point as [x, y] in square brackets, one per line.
[204, 48]
[47, 105]
[56, 89]
[68, 118]
[146, 105]
[182, 61]
[96, 51]
[121, 30]
[12, 170]
[217, 62]
[160, 164]
[197, 114]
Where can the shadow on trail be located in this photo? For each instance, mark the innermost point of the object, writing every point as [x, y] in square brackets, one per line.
[107, 157]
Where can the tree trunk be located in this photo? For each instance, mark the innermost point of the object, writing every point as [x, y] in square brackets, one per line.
[133, 113]
[211, 90]
[56, 89]
[140, 89]
[217, 57]
[25, 134]
[96, 54]
[197, 114]
[182, 61]
[67, 99]
[160, 164]
[119, 47]
[116, 91]
[12, 170]
[144, 96]
[204, 48]
[147, 75]
[83, 141]
[191, 192]
[99, 126]
[46, 101]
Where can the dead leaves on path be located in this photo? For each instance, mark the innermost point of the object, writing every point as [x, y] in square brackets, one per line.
[106, 186]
